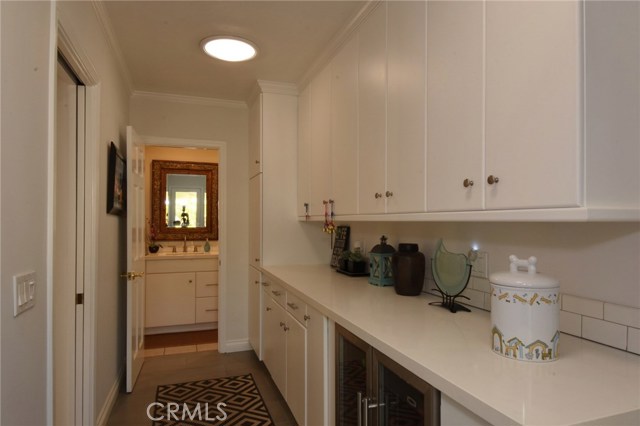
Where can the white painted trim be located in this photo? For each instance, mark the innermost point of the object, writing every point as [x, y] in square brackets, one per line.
[105, 22]
[192, 100]
[48, 418]
[235, 346]
[53, 61]
[222, 220]
[278, 88]
[109, 403]
[67, 43]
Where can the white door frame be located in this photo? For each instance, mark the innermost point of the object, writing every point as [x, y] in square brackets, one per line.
[221, 146]
[67, 44]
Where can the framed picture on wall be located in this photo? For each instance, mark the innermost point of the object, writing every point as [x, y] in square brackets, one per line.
[116, 182]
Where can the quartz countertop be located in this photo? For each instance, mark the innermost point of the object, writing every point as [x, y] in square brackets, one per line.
[587, 383]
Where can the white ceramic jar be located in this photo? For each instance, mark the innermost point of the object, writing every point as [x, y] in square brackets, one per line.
[525, 312]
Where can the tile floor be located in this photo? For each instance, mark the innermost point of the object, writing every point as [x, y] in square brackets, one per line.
[180, 343]
[131, 409]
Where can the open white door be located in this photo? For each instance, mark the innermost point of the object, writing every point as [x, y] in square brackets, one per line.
[135, 256]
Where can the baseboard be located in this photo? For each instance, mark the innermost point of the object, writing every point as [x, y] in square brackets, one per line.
[105, 412]
[234, 346]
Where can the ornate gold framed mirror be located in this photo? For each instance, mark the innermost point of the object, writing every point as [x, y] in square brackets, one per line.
[184, 200]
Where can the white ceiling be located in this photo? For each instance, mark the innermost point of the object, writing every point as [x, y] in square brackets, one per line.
[160, 42]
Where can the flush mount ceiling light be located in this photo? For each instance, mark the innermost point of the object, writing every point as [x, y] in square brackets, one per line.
[231, 49]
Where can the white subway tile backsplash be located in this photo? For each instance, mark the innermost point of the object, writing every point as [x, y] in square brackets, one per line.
[633, 340]
[481, 284]
[604, 332]
[571, 323]
[582, 306]
[622, 315]
[476, 298]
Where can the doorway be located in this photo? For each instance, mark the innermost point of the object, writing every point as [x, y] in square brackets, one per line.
[68, 247]
[204, 334]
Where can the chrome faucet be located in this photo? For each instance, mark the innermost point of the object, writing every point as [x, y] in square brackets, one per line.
[184, 246]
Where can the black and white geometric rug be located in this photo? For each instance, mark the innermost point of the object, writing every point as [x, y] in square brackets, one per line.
[228, 401]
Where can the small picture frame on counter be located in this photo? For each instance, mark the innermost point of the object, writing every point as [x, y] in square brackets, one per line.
[340, 244]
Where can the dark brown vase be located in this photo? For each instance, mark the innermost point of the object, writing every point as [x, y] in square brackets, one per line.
[408, 266]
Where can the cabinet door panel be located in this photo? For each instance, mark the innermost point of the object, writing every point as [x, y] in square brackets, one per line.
[344, 128]
[317, 370]
[296, 369]
[406, 107]
[255, 138]
[255, 220]
[274, 343]
[533, 119]
[255, 311]
[170, 299]
[304, 150]
[455, 105]
[320, 167]
[372, 129]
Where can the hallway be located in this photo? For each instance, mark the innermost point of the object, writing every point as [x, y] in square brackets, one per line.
[131, 409]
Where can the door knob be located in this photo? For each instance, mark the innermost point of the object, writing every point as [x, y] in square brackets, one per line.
[130, 276]
[467, 183]
[492, 179]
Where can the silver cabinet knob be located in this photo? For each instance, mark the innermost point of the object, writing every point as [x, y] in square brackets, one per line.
[292, 305]
[265, 284]
[276, 293]
[282, 324]
[492, 179]
[307, 317]
[268, 309]
[257, 161]
[467, 183]
[378, 195]
[388, 194]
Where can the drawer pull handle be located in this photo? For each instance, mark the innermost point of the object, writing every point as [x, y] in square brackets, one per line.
[292, 305]
[209, 285]
[492, 179]
[210, 310]
[388, 194]
[285, 328]
[378, 195]
[307, 317]
[190, 281]
[268, 309]
[257, 259]
[276, 293]
[282, 324]
[265, 284]
[256, 282]
[467, 183]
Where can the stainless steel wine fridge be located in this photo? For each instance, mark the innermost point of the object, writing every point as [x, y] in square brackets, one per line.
[373, 390]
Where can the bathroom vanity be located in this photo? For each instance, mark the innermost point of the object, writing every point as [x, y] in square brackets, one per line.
[181, 292]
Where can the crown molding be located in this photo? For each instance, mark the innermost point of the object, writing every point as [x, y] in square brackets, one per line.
[73, 52]
[192, 100]
[337, 42]
[105, 23]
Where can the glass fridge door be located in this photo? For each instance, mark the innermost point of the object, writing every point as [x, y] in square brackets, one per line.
[353, 359]
[404, 399]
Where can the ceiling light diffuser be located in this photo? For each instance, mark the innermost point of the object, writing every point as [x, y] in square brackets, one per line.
[231, 49]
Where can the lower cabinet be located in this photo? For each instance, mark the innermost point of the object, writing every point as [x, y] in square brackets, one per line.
[372, 389]
[181, 292]
[294, 349]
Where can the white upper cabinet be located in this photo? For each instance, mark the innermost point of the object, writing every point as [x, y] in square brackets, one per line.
[344, 128]
[255, 138]
[319, 167]
[405, 151]
[533, 104]
[455, 154]
[372, 109]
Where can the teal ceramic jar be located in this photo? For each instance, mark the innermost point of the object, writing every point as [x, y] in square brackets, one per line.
[380, 273]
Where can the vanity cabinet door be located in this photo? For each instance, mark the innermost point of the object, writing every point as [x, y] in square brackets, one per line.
[275, 341]
[296, 336]
[170, 299]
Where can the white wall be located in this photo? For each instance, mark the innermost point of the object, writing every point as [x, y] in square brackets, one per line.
[26, 77]
[592, 260]
[28, 54]
[172, 117]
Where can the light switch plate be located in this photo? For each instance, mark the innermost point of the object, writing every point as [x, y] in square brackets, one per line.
[480, 268]
[24, 292]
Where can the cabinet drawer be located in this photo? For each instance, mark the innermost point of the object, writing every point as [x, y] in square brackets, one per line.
[206, 309]
[206, 284]
[297, 308]
[276, 291]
